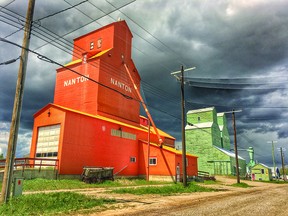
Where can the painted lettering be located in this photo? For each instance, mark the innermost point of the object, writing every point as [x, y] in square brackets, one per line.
[76, 80]
[121, 85]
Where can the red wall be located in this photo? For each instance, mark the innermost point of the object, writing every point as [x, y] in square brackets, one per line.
[89, 142]
[104, 35]
[166, 161]
[76, 92]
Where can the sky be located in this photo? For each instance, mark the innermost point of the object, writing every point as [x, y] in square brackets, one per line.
[239, 49]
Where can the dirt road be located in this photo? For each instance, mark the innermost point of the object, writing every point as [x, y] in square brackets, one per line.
[261, 199]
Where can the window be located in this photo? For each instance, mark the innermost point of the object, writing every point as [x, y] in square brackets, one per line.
[91, 45]
[47, 154]
[262, 171]
[152, 161]
[133, 159]
[199, 119]
[123, 134]
[99, 43]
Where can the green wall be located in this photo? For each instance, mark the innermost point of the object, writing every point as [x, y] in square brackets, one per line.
[201, 139]
[201, 149]
[225, 142]
[257, 172]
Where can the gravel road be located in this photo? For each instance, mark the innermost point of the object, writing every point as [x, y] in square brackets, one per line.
[260, 199]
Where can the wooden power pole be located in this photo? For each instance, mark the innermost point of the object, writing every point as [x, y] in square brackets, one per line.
[283, 165]
[184, 162]
[235, 147]
[12, 142]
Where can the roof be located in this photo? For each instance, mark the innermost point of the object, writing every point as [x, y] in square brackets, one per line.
[170, 149]
[141, 127]
[123, 23]
[261, 164]
[221, 114]
[200, 110]
[161, 133]
[229, 153]
[92, 57]
[200, 125]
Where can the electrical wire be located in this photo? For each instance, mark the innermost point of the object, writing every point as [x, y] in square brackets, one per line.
[62, 36]
[7, 5]
[150, 34]
[61, 11]
[41, 57]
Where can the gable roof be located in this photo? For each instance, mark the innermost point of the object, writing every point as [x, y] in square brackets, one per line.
[261, 164]
[228, 153]
[140, 127]
[201, 110]
[199, 125]
[92, 57]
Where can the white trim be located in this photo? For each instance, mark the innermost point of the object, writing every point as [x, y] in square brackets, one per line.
[132, 159]
[152, 158]
[201, 110]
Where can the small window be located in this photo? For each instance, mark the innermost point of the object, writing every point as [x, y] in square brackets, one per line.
[91, 45]
[99, 43]
[133, 159]
[199, 119]
[152, 161]
[262, 171]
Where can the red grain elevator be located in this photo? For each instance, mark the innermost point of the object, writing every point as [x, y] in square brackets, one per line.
[95, 118]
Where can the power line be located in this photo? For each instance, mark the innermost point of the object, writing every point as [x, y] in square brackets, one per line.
[145, 30]
[42, 57]
[61, 11]
[82, 26]
[9, 61]
[7, 4]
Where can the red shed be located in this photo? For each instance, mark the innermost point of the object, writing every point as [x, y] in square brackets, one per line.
[95, 118]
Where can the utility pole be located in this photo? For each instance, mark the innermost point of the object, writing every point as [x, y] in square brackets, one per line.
[273, 155]
[181, 79]
[183, 130]
[235, 147]
[12, 142]
[148, 151]
[283, 166]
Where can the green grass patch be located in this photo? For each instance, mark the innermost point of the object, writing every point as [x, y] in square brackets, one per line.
[241, 184]
[47, 184]
[209, 182]
[163, 190]
[51, 204]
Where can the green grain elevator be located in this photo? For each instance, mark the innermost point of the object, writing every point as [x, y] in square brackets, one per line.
[207, 137]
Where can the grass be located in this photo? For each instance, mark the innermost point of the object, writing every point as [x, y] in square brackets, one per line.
[209, 182]
[46, 184]
[51, 204]
[63, 203]
[241, 184]
[163, 190]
